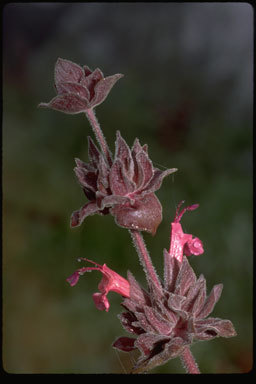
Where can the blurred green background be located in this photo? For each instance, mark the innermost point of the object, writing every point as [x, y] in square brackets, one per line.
[187, 93]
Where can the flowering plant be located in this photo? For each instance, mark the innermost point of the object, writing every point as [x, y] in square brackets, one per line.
[168, 317]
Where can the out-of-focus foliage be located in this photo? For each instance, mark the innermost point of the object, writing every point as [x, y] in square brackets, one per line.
[187, 93]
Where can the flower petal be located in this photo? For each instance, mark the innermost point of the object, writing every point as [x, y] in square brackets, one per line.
[102, 89]
[145, 215]
[70, 103]
[101, 301]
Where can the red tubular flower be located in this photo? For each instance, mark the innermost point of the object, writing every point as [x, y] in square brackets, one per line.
[79, 89]
[111, 281]
[183, 243]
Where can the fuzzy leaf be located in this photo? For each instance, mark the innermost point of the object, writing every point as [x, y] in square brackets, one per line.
[137, 293]
[103, 88]
[125, 344]
[70, 103]
[145, 169]
[127, 319]
[171, 270]
[195, 294]
[165, 350]
[145, 215]
[210, 328]
[86, 179]
[119, 182]
[186, 278]
[146, 342]
[102, 182]
[91, 80]
[210, 301]
[161, 326]
[67, 71]
[112, 200]
[78, 216]
[124, 154]
[93, 153]
[157, 179]
[69, 87]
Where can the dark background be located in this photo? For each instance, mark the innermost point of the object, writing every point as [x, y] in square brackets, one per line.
[187, 93]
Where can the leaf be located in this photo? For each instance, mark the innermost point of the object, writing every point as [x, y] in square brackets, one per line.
[171, 270]
[137, 293]
[195, 293]
[210, 302]
[157, 179]
[161, 326]
[102, 89]
[78, 216]
[146, 342]
[76, 88]
[127, 319]
[210, 328]
[70, 103]
[93, 153]
[86, 179]
[125, 344]
[118, 179]
[145, 170]
[124, 154]
[103, 169]
[67, 71]
[91, 80]
[185, 279]
[144, 215]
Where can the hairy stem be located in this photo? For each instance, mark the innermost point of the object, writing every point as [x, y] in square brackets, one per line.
[189, 362]
[90, 114]
[145, 258]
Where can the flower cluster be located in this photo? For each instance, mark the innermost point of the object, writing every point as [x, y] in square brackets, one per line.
[165, 319]
[125, 189]
[79, 89]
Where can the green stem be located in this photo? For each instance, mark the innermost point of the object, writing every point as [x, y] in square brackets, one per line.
[145, 258]
[90, 114]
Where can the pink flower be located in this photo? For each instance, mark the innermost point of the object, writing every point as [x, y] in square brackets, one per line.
[183, 243]
[79, 89]
[111, 281]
